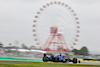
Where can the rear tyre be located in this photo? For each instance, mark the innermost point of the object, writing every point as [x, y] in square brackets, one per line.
[45, 59]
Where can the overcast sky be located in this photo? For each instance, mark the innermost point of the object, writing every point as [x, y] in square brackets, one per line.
[16, 19]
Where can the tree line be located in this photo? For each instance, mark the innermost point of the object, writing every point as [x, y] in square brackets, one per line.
[83, 51]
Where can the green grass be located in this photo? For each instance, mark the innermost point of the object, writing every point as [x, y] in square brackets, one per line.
[44, 65]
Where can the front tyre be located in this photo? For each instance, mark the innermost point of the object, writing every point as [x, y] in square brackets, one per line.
[74, 60]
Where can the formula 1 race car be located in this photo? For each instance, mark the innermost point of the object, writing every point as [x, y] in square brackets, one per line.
[58, 58]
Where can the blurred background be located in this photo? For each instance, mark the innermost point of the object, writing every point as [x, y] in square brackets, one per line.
[16, 20]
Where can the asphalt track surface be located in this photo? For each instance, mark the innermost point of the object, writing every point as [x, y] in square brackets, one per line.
[90, 62]
[82, 62]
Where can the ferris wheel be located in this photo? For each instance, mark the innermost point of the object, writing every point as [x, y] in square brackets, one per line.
[56, 27]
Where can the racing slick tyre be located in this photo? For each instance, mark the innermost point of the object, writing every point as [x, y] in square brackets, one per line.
[45, 59]
[74, 60]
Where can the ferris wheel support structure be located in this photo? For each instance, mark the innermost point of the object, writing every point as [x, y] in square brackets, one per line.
[59, 40]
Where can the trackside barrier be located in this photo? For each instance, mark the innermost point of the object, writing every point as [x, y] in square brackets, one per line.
[20, 59]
